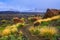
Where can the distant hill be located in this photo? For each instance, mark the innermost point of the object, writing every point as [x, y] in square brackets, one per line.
[9, 12]
[17, 12]
[8, 15]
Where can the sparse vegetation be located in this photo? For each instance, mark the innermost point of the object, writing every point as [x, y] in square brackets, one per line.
[35, 26]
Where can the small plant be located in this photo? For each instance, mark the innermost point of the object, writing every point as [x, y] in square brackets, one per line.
[34, 31]
[45, 23]
[20, 25]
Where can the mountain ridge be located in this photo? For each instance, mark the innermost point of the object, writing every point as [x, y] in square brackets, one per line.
[17, 12]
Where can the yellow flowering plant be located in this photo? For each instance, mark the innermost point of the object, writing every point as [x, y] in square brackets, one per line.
[34, 30]
[48, 19]
[31, 29]
[20, 25]
[20, 33]
[48, 31]
[11, 32]
[44, 31]
[6, 32]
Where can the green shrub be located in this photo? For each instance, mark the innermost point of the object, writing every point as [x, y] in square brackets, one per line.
[45, 23]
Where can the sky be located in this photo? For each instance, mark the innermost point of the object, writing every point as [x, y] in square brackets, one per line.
[28, 5]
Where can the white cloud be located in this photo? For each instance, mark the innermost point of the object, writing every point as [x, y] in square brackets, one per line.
[40, 4]
[4, 6]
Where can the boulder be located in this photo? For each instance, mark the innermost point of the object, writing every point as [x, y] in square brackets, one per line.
[17, 20]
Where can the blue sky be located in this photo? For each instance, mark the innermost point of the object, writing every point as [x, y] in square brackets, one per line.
[28, 5]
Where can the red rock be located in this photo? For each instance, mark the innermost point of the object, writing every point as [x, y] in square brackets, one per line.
[51, 12]
[17, 20]
[34, 19]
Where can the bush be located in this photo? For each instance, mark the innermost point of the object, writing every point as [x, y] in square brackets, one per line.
[45, 23]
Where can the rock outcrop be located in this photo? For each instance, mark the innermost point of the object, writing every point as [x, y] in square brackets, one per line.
[51, 12]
